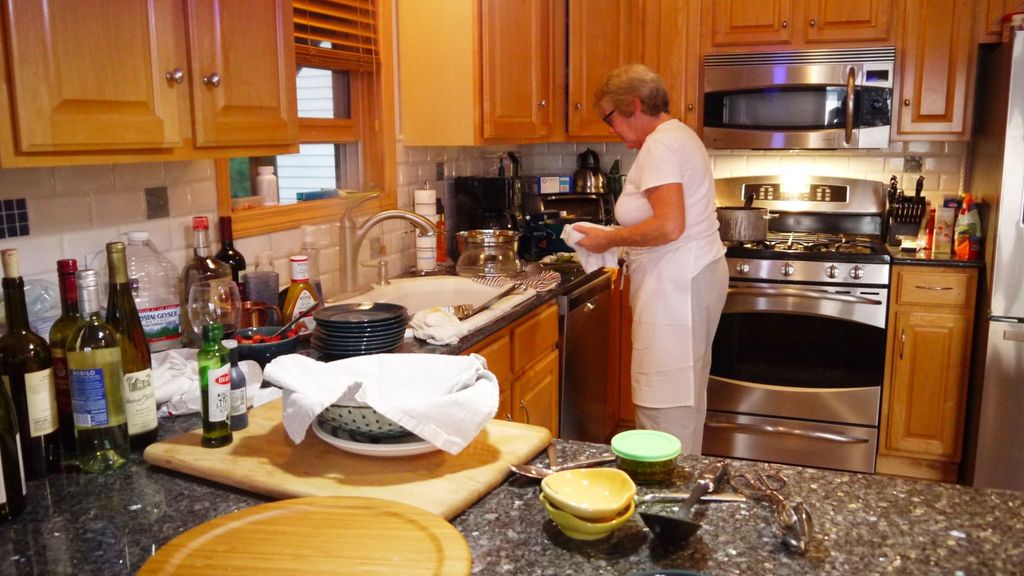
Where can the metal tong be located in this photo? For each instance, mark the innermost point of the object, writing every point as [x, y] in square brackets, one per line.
[793, 519]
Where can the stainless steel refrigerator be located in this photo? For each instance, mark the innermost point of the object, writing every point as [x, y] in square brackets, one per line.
[997, 175]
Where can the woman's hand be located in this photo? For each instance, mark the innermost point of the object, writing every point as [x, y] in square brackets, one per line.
[594, 239]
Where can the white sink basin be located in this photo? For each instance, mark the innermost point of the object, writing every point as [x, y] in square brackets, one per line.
[426, 292]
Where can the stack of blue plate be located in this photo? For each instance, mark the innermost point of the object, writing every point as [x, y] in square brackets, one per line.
[359, 328]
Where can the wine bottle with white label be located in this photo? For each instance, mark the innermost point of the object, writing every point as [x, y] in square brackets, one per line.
[59, 333]
[28, 375]
[139, 392]
[215, 388]
[94, 369]
[12, 473]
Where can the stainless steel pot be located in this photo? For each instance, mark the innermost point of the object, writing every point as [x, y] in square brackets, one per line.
[737, 224]
[488, 253]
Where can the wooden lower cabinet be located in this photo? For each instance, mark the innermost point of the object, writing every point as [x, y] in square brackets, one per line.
[524, 356]
[931, 318]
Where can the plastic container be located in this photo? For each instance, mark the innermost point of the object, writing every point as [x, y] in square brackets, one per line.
[266, 184]
[264, 284]
[154, 280]
[648, 456]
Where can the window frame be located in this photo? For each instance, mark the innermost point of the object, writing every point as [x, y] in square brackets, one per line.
[373, 125]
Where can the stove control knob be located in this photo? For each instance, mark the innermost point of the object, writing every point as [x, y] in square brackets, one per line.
[742, 267]
[832, 271]
[856, 272]
[787, 269]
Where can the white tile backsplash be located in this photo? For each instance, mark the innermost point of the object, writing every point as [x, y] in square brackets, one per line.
[24, 182]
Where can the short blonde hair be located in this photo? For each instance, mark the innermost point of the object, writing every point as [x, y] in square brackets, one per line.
[633, 81]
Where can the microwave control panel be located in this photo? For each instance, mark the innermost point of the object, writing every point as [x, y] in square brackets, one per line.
[773, 191]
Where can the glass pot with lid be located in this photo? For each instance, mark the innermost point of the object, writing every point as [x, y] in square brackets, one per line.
[488, 253]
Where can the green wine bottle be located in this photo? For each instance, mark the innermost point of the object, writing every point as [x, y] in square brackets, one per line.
[139, 392]
[59, 333]
[215, 387]
[94, 368]
[28, 375]
[12, 472]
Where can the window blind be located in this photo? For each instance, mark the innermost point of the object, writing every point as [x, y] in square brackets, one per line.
[336, 34]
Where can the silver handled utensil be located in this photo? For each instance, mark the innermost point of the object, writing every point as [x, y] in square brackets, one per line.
[541, 472]
[463, 311]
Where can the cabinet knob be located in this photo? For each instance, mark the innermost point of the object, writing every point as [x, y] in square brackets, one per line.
[785, 24]
[579, 106]
[177, 76]
[903, 341]
[906, 102]
[812, 23]
[212, 80]
[522, 404]
[689, 107]
[543, 103]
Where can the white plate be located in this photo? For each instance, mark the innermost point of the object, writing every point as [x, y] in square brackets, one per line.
[387, 448]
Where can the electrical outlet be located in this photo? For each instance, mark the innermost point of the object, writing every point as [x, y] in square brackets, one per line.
[375, 248]
[157, 205]
[439, 171]
[912, 164]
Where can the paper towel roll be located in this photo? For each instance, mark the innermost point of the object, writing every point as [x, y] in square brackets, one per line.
[426, 252]
[423, 197]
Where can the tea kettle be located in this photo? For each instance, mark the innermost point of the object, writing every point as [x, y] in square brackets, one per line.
[588, 178]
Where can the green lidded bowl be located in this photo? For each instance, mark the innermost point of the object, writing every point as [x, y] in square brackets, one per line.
[648, 456]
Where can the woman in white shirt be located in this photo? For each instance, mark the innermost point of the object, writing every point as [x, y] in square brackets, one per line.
[674, 256]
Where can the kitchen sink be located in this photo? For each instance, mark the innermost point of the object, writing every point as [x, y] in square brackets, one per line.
[426, 292]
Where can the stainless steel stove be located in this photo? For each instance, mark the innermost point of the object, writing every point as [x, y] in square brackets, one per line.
[798, 359]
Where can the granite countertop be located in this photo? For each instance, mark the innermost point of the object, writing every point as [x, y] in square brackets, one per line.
[927, 258]
[110, 524]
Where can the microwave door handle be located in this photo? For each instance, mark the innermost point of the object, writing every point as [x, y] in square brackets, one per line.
[851, 77]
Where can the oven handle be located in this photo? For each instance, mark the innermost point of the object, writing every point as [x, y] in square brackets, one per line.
[767, 429]
[799, 293]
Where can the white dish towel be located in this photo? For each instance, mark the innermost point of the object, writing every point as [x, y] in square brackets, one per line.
[442, 328]
[445, 400]
[590, 260]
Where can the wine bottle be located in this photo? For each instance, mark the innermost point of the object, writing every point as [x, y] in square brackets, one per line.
[12, 472]
[301, 294]
[215, 388]
[139, 392]
[227, 253]
[28, 375]
[94, 368]
[239, 397]
[59, 333]
[203, 267]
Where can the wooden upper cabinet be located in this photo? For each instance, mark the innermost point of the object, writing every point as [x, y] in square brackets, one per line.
[671, 32]
[78, 86]
[243, 72]
[936, 66]
[743, 23]
[989, 18]
[602, 36]
[842, 20]
[100, 81]
[516, 68]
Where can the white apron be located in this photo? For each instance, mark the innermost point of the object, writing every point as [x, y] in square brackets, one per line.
[661, 299]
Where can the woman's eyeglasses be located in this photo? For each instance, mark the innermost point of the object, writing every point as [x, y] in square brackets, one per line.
[607, 118]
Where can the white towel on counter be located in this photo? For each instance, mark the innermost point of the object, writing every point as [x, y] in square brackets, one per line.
[442, 328]
[445, 400]
[176, 381]
[590, 260]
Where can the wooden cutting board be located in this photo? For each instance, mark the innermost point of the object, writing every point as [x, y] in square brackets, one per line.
[264, 460]
[332, 535]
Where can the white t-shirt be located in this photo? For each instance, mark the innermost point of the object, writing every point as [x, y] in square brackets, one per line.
[673, 154]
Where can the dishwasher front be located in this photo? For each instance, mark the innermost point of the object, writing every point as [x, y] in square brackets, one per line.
[584, 313]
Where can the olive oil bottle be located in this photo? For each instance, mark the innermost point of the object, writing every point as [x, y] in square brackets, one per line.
[95, 372]
[215, 388]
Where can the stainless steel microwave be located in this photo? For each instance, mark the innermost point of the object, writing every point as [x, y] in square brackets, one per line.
[807, 99]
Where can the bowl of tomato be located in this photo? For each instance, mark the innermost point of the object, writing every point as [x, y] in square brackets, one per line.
[261, 345]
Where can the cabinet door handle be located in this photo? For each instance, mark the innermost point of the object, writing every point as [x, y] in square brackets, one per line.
[785, 24]
[942, 288]
[177, 76]
[508, 416]
[543, 103]
[812, 22]
[522, 404]
[579, 106]
[212, 80]
[689, 107]
[906, 102]
[903, 341]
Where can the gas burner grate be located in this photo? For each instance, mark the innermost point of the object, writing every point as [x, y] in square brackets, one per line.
[821, 243]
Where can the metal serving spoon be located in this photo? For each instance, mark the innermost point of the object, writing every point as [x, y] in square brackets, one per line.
[678, 528]
[540, 472]
[463, 311]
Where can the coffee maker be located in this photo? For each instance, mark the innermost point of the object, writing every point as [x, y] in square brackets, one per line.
[483, 203]
[548, 213]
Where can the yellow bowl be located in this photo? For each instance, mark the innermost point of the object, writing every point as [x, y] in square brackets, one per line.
[592, 494]
[580, 529]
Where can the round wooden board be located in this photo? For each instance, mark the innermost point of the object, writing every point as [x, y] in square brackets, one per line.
[321, 535]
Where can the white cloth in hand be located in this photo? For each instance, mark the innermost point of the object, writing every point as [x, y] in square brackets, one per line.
[445, 400]
[436, 326]
[590, 260]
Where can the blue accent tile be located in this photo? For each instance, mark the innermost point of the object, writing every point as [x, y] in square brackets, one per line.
[20, 204]
[10, 218]
[2, 233]
[22, 217]
[12, 231]
[23, 229]
[8, 205]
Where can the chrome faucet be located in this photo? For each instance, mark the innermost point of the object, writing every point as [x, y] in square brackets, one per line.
[352, 235]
